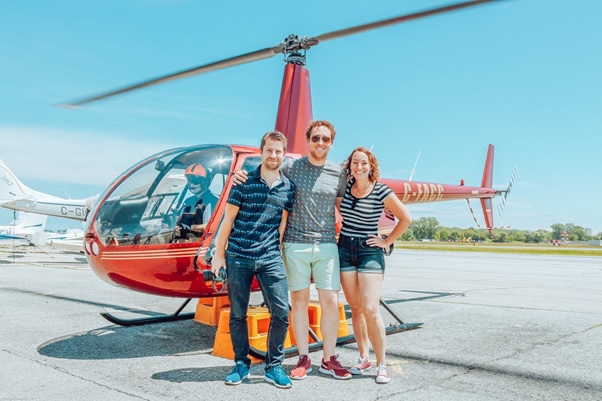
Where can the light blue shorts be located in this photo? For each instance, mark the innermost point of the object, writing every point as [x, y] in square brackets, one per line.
[304, 261]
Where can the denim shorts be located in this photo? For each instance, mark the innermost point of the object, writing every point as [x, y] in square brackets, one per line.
[356, 255]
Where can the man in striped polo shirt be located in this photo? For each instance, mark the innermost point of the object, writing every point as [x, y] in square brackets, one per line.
[252, 228]
[310, 246]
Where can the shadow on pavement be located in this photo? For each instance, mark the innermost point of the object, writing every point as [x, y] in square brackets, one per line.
[115, 342]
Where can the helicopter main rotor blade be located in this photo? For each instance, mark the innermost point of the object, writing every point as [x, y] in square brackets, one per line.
[217, 65]
[281, 48]
[396, 20]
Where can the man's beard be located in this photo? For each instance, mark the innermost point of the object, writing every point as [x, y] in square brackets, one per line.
[270, 165]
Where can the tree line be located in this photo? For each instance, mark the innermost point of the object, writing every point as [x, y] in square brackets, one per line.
[428, 228]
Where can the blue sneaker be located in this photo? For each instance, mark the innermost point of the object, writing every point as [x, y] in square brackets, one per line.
[277, 376]
[238, 374]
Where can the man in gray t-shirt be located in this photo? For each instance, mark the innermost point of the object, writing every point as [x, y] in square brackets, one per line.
[313, 218]
[310, 249]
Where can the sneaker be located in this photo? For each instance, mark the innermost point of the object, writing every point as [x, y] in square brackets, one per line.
[334, 368]
[277, 376]
[302, 369]
[362, 365]
[238, 374]
[383, 375]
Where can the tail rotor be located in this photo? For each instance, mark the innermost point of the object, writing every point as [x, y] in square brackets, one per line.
[505, 192]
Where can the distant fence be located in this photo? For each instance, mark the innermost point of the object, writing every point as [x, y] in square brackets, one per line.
[594, 242]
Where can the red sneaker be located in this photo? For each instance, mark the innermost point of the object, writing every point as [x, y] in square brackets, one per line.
[334, 368]
[362, 365]
[302, 369]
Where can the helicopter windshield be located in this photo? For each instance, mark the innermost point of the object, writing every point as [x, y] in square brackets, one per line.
[166, 199]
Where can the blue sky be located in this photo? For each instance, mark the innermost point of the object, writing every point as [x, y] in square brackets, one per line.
[522, 75]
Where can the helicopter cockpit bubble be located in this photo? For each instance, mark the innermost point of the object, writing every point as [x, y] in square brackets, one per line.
[149, 201]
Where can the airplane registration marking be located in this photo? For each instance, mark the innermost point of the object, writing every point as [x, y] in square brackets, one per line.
[7, 181]
[76, 211]
[423, 192]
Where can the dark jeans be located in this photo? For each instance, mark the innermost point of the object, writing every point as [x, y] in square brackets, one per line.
[271, 276]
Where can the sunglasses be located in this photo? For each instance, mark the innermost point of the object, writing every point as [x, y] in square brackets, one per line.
[325, 139]
[195, 180]
[222, 278]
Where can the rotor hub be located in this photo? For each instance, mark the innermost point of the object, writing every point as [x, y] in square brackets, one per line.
[294, 48]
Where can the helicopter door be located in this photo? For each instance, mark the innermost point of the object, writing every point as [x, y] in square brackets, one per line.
[247, 163]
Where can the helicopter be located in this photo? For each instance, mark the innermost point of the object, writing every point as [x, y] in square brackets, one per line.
[130, 233]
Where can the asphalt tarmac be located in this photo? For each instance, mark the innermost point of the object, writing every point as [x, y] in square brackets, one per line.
[496, 327]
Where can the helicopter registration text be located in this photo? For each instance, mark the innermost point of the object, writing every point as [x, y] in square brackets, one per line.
[422, 192]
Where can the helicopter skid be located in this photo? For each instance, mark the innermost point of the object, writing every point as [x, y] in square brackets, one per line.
[349, 339]
[176, 316]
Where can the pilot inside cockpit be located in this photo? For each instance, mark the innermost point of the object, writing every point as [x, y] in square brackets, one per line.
[197, 208]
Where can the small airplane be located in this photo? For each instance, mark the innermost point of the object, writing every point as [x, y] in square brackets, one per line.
[131, 239]
[17, 196]
[66, 234]
[27, 228]
[69, 239]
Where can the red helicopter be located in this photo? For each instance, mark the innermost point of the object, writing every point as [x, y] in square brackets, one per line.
[131, 236]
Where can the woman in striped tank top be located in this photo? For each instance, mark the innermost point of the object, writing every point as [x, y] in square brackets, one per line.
[361, 254]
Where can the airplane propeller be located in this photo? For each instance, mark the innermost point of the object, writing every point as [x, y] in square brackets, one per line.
[291, 46]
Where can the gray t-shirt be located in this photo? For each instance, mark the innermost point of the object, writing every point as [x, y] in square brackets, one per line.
[317, 187]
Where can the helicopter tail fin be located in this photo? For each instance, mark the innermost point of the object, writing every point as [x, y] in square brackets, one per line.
[486, 203]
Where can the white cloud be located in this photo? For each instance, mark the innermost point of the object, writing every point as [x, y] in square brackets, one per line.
[69, 156]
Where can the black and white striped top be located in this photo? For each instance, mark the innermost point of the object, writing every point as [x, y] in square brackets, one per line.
[361, 215]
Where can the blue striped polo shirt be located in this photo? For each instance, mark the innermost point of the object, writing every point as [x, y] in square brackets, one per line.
[255, 231]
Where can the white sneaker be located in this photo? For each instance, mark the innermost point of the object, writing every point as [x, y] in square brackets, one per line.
[383, 375]
[362, 365]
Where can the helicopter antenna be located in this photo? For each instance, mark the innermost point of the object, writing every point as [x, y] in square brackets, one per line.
[414, 168]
